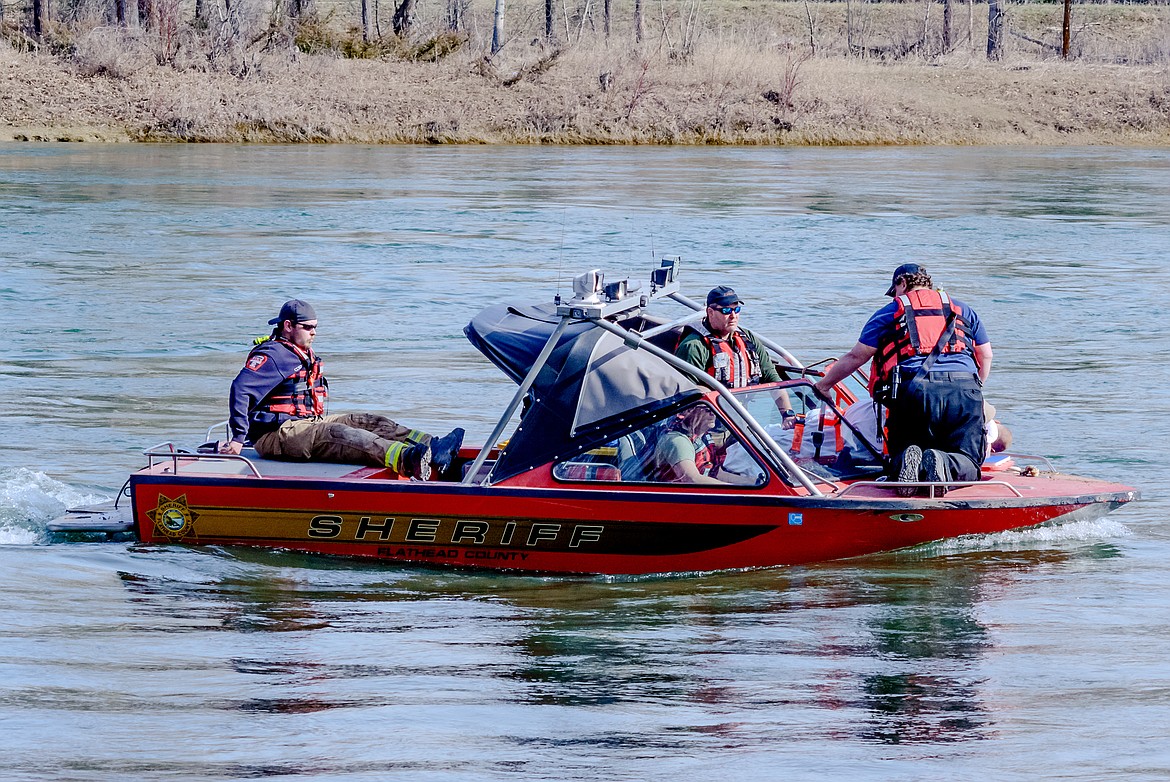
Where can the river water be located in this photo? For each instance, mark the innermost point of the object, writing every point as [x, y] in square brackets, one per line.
[132, 280]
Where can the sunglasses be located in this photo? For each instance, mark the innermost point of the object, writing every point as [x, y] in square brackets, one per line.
[727, 310]
[307, 326]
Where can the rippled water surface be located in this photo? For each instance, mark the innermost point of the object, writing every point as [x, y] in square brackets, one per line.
[132, 280]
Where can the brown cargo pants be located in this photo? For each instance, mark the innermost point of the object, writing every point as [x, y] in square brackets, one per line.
[350, 438]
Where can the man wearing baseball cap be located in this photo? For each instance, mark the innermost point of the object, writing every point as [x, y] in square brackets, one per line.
[722, 348]
[931, 357]
[278, 402]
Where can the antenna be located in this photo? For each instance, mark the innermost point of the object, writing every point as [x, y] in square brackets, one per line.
[561, 252]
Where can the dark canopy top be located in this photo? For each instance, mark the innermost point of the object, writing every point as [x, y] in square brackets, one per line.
[592, 389]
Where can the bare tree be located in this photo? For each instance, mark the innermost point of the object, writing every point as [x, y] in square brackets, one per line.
[455, 11]
[367, 22]
[38, 18]
[498, 28]
[690, 28]
[126, 12]
[1065, 32]
[946, 31]
[812, 27]
[300, 9]
[606, 12]
[849, 26]
[638, 21]
[549, 11]
[925, 26]
[585, 16]
[995, 23]
[403, 17]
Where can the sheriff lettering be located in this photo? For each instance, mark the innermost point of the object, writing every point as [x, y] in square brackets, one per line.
[435, 533]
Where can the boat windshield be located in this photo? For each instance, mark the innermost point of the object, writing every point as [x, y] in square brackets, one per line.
[692, 445]
[822, 438]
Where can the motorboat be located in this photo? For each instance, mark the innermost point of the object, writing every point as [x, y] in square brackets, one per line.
[579, 485]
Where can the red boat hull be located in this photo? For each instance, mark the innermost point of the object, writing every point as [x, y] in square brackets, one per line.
[567, 529]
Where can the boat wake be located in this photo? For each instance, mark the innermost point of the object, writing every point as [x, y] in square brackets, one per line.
[1083, 531]
[29, 499]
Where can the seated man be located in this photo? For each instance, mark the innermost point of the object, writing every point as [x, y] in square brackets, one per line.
[684, 454]
[278, 401]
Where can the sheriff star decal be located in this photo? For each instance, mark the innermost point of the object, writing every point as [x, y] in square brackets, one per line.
[173, 518]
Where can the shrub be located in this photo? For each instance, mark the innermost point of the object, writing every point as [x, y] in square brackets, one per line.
[112, 51]
[437, 47]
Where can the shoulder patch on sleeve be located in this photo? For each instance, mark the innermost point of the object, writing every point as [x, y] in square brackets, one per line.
[255, 362]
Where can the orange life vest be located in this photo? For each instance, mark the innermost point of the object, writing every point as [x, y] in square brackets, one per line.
[704, 459]
[828, 419]
[300, 395]
[734, 361]
[919, 323]
[704, 456]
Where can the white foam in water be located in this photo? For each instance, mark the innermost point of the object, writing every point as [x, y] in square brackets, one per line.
[29, 499]
[1073, 531]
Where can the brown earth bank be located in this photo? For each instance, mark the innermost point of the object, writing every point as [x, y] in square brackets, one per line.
[791, 88]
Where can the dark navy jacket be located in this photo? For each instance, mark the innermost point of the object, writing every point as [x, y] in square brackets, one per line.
[271, 365]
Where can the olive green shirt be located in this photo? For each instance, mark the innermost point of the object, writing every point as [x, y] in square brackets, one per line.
[693, 349]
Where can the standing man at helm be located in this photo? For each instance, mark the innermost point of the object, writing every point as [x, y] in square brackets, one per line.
[931, 357]
[278, 401]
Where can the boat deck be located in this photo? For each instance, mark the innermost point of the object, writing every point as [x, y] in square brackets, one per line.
[211, 464]
[995, 486]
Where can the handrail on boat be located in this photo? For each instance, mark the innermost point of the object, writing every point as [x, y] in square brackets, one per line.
[174, 454]
[514, 405]
[665, 327]
[209, 436]
[931, 485]
[1043, 459]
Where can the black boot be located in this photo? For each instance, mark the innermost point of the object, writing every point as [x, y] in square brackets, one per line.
[444, 450]
[933, 470]
[909, 471]
[416, 462]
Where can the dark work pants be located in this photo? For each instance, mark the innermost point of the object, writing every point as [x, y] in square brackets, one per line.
[944, 411]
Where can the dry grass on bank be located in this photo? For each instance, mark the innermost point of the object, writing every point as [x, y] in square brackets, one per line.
[744, 76]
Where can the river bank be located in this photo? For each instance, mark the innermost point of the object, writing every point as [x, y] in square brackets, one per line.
[725, 90]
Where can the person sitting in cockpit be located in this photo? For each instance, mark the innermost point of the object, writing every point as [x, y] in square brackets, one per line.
[684, 453]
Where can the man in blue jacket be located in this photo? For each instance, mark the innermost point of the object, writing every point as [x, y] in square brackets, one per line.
[278, 402]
